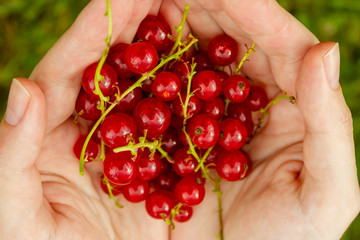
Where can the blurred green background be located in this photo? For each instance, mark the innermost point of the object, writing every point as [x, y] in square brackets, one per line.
[28, 28]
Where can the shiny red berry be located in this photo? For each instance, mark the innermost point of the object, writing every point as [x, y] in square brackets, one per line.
[166, 180]
[257, 98]
[107, 85]
[166, 86]
[119, 168]
[241, 112]
[233, 134]
[214, 107]
[184, 163]
[118, 130]
[236, 88]
[86, 106]
[117, 61]
[204, 131]
[222, 50]
[128, 102]
[231, 165]
[156, 31]
[159, 204]
[91, 152]
[149, 164]
[203, 62]
[141, 57]
[189, 191]
[152, 115]
[182, 70]
[170, 142]
[184, 214]
[207, 85]
[137, 191]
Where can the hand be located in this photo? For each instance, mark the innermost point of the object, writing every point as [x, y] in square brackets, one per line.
[304, 181]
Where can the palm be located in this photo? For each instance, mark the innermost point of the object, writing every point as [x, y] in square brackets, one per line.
[274, 187]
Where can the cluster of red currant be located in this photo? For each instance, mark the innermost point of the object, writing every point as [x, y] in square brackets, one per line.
[164, 115]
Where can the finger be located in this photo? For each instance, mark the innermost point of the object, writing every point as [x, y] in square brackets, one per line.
[21, 136]
[210, 14]
[59, 72]
[277, 33]
[329, 156]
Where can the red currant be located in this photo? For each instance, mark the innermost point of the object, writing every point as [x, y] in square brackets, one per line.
[149, 164]
[231, 165]
[91, 152]
[236, 88]
[185, 213]
[117, 61]
[222, 50]
[141, 57]
[166, 86]
[204, 131]
[159, 204]
[257, 98]
[86, 106]
[136, 191]
[184, 163]
[118, 130]
[233, 134]
[189, 192]
[207, 85]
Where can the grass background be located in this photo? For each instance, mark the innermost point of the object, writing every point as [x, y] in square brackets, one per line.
[28, 28]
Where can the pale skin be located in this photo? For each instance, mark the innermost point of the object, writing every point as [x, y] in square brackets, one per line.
[303, 184]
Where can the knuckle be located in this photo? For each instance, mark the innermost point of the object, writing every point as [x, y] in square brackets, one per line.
[346, 119]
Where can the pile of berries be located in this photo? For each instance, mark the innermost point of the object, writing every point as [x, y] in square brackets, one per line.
[166, 118]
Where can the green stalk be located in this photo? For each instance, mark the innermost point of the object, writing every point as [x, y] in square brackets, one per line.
[248, 52]
[179, 29]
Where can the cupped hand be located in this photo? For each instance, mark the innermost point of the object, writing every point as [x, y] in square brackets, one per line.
[303, 184]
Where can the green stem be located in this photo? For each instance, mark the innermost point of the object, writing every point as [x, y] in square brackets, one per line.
[111, 195]
[164, 154]
[227, 101]
[179, 29]
[203, 159]
[248, 52]
[218, 192]
[131, 147]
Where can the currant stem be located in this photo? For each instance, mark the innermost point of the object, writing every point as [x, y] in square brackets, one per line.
[175, 210]
[164, 154]
[179, 29]
[275, 101]
[247, 53]
[218, 192]
[203, 159]
[188, 94]
[111, 195]
[131, 146]
[227, 101]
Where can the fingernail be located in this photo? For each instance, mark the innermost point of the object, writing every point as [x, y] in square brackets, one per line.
[17, 103]
[332, 66]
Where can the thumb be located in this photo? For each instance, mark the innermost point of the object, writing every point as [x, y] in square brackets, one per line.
[22, 132]
[329, 171]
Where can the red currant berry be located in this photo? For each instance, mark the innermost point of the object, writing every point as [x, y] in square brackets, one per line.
[149, 164]
[204, 131]
[166, 181]
[117, 61]
[118, 130]
[231, 165]
[211, 158]
[182, 70]
[119, 168]
[233, 134]
[152, 115]
[242, 113]
[115, 190]
[203, 62]
[107, 85]
[137, 191]
[193, 108]
[86, 106]
[166, 86]
[128, 102]
[223, 75]
[236, 88]
[184, 214]
[257, 98]
[222, 50]
[214, 107]
[184, 163]
[141, 57]
[207, 85]
[189, 192]
[159, 204]
[91, 152]
[155, 30]
[170, 141]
